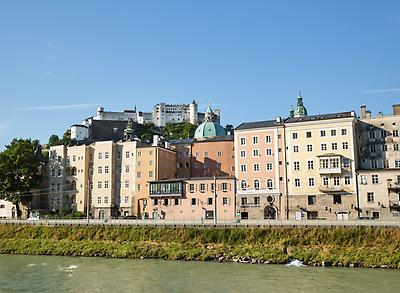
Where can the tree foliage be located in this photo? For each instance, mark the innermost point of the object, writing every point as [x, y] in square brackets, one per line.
[179, 131]
[65, 140]
[18, 170]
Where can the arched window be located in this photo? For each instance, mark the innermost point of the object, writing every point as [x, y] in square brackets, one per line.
[270, 184]
[256, 184]
[243, 184]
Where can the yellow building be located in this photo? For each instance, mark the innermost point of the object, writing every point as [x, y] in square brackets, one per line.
[321, 164]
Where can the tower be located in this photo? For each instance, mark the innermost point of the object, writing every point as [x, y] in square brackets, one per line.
[193, 113]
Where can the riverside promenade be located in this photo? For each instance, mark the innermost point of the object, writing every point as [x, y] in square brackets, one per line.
[207, 223]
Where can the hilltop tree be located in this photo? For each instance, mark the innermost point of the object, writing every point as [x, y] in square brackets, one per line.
[54, 140]
[18, 171]
[178, 131]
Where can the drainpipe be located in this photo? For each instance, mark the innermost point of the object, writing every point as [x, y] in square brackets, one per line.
[358, 196]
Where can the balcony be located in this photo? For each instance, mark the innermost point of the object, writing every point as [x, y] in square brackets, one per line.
[331, 188]
[258, 191]
[336, 170]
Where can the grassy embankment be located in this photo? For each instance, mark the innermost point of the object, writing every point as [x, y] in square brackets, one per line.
[367, 247]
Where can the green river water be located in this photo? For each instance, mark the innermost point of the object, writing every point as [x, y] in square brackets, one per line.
[20, 273]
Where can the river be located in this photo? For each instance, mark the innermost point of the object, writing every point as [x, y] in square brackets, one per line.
[20, 273]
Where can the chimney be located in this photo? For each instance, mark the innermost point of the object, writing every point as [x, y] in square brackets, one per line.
[156, 140]
[167, 145]
[367, 114]
[363, 110]
[396, 109]
[278, 119]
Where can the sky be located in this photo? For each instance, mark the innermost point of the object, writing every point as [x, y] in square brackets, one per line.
[60, 60]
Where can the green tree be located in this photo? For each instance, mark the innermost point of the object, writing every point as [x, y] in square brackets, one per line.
[18, 171]
[178, 131]
[54, 140]
[66, 140]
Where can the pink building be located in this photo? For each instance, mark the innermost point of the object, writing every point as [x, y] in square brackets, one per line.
[194, 199]
[259, 169]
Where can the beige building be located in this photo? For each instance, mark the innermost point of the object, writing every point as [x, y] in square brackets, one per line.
[112, 177]
[194, 199]
[321, 164]
[379, 164]
[259, 169]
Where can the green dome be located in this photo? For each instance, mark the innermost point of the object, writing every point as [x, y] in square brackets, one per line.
[209, 129]
[300, 110]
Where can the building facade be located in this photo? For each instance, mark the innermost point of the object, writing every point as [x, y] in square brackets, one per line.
[259, 169]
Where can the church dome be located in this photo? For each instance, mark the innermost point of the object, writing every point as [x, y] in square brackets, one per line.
[209, 128]
[300, 110]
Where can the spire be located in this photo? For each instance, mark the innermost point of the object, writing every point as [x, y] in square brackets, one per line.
[300, 110]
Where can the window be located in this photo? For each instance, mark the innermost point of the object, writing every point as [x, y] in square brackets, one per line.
[337, 199]
[243, 168]
[106, 169]
[99, 200]
[127, 169]
[370, 197]
[202, 187]
[127, 154]
[99, 184]
[193, 201]
[395, 133]
[268, 152]
[191, 187]
[106, 199]
[297, 182]
[100, 170]
[334, 146]
[105, 184]
[336, 181]
[244, 200]
[106, 155]
[384, 147]
[311, 182]
[150, 173]
[344, 131]
[383, 133]
[397, 163]
[347, 180]
[224, 186]
[243, 184]
[126, 183]
[210, 201]
[166, 201]
[324, 163]
[219, 154]
[296, 165]
[309, 148]
[270, 184]
[322, 133]
[396, 147]
[269, 166]
[73, 158]
[346, 162]
[323, 146]
[139, 154]
[100, 156]
[374, 164]
[268, 139]
[333, 132]
[151, 163]
[59, 172]
[334, 162]
[224, 200]
[243, 154]
[295, 148]
[373, 149]
[155, 201]
[372, 134]
[138, 187]
[256, 184]
[325, 181]
[255, 153]
[310, 165]
[294, 135]
[257, 200]
[256, 167]
[345, 145]
[255, 139]
[308, 134]
[375, 179]
[118, 155]
[138, 174]
[312, 199]
[386, 164]
[242, 141]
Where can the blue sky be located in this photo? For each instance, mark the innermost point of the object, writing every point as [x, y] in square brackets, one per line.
[59, 60]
